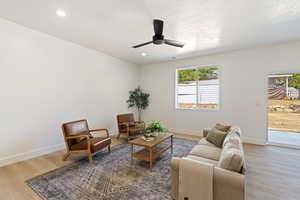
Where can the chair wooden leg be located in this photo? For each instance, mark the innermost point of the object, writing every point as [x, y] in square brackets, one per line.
[90, 160]
[118, 137]
[66, 156]
[109, 148]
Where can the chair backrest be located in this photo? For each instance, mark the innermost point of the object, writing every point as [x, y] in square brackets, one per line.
[74, 128]
[129, 117]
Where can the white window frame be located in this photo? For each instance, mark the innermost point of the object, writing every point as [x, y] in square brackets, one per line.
[197, 67]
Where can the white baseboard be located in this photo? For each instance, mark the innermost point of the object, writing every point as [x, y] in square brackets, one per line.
[200, 133]
[37, 152]
[30, 154]
[248, 140]
[284, 145]
[45, 150]
[186, 131]
[113, 133]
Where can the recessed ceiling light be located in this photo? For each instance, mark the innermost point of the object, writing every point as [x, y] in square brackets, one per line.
[144, 54]
[61, 13]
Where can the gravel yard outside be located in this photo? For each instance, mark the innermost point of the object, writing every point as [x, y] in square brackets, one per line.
[284, 115]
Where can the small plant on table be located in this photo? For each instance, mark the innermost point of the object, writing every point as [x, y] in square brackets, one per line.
[155, 126]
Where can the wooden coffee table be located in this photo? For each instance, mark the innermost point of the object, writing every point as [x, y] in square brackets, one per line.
[151, 151]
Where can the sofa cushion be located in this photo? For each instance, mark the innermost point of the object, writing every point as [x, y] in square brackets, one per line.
[232, 158]
[222, 127]
[201, 159]
[216, 137]
[205, 151]
[204, 141]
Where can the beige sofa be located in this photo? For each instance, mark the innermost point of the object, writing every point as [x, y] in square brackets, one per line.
[228, 183]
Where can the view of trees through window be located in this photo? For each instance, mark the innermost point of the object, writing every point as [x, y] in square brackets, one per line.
[207, 73]
[197, 87]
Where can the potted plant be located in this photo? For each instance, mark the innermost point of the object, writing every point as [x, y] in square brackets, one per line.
[155, 126]
[138, 99]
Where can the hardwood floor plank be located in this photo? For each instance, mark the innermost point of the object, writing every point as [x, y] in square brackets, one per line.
[273, 173]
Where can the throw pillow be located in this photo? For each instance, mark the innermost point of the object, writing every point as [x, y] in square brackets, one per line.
[222, 127]
[216, 137]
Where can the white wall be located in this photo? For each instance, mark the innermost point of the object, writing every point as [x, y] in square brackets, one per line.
[45, 81]
[243, 89]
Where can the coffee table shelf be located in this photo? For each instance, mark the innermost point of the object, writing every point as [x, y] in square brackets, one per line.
[144, 154]
[151, 149]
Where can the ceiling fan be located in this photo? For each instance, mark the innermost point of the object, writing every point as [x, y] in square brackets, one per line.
[159, 38]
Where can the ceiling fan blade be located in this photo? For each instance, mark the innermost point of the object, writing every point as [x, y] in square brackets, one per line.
[158, 26]
[174, 43]
[140, 45]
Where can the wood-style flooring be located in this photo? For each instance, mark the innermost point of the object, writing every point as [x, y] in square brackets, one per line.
[273, 173]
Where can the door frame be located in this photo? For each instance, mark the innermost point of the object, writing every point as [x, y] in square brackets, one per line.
[267, 112]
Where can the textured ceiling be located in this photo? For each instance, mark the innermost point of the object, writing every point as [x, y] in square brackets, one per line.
[207, 26]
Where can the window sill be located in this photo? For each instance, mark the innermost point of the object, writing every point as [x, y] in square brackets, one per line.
[199, 109]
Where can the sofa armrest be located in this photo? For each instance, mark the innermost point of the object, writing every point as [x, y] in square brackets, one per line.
[175, 177]
[205, 132]
[228, 185]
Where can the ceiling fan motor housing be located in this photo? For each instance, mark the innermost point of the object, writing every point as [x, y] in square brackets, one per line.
[158, 39]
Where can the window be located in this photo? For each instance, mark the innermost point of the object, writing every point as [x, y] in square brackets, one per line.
[197, 87]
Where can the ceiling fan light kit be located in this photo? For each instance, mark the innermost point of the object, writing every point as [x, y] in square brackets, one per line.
[159, 38]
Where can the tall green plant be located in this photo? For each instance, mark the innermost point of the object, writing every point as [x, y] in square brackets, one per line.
[138, 99]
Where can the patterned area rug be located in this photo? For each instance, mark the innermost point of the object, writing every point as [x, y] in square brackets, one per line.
[112, 177]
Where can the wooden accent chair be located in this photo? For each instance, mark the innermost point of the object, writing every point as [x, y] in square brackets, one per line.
[128, 127]
[78, 139]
